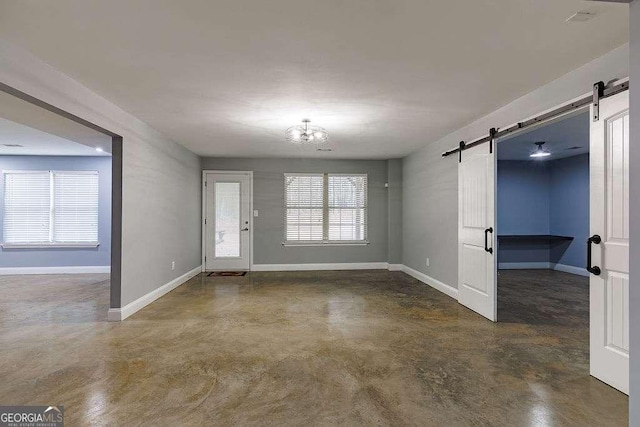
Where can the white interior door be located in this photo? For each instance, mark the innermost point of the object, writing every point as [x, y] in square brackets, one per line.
[609, 279]
[227, 220]
[476, 231]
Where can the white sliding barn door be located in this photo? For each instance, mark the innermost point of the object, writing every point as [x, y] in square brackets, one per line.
[476, 231]
[609, 278]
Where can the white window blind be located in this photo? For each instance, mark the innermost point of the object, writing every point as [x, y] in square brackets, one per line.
[304, 195]
[325, 208]
[27, 207]
[347, 207]
[50, 208]
[76, 207]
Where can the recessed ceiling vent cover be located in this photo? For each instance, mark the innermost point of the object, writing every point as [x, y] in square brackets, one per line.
[12, 145]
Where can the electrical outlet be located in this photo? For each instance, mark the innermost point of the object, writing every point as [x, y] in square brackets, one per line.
[173, 265]
[427, 262]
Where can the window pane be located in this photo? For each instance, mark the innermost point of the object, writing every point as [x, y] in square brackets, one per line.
[347, 224]
[26, 207]
[227, 229]
[75, 207]
[304, 224]
[304, 206]
[347, 207]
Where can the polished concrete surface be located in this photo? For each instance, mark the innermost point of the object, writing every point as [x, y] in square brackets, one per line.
[304, 348]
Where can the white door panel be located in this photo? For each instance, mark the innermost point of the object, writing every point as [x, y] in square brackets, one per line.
[476, 222]
[227, 220]
[609, 290]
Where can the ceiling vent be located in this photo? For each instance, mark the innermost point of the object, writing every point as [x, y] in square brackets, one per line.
[12, 145]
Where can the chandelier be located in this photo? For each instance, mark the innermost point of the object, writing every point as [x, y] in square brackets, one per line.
[306, 133]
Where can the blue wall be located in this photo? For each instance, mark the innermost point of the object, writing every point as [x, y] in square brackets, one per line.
[544, 197]
[569, 208]
[62, 257]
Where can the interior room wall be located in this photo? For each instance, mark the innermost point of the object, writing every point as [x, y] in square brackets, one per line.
[394, 192]
[268, 199]
[634, 214]
[430, 182]
[62, 257]
[569, 209]
[522, 208]
[161, 207]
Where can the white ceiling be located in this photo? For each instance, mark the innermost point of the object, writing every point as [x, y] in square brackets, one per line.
[41, 132]
[384, 77]
[563, 138]
[37, 143]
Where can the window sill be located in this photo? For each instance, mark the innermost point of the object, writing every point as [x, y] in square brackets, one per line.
[320, 244]
[49, 245]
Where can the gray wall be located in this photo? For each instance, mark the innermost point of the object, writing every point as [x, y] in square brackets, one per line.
[394, 193]
[634, 215]
[430, 182]
[62, 257]
[268, 199]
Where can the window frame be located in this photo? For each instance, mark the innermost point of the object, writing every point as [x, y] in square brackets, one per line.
[325, 212]
[51, 243]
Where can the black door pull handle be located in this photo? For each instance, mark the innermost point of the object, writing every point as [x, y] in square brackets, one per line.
[486, 238]
[592, 269]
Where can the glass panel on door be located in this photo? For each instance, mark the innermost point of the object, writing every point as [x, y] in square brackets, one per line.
[227, 222]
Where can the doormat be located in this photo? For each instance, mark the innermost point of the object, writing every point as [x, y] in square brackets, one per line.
[227, 273]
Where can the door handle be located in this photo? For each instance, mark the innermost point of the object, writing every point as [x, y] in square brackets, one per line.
[244, 229]
[592, 269]
[486, 238]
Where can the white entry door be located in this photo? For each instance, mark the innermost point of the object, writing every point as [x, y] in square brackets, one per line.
[227, 220]
[476, 231]
[609, 243]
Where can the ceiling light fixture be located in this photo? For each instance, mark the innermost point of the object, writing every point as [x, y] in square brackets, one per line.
[306, 133]
[540, 152]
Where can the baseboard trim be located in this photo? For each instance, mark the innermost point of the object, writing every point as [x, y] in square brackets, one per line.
[119, 314]
[322, 266]
[395, 267]
[434, 283]
[542, 265]
[571, 269]
[8, 271]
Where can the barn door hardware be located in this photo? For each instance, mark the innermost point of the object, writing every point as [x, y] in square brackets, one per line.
[492, 135]
[461, 149]
[486, 240]
[598, 92]
[595, 270]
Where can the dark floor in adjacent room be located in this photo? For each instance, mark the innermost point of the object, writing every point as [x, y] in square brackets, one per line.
[296, 348]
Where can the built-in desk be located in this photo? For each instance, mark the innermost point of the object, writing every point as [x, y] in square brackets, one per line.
[530, 238]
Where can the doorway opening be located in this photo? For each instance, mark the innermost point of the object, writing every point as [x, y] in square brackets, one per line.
[562, 202]
[60, 210]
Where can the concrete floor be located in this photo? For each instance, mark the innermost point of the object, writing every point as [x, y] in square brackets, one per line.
[304, 348]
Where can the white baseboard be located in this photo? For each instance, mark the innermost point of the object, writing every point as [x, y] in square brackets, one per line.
[571, 269]
[395, 267]
[322, 266]
[524, 266]
[543, 266]
[434, 283]
[118, 314]
[55, 270]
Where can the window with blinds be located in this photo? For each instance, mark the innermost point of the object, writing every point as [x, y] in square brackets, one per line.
[325, 208]
[50, 208]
